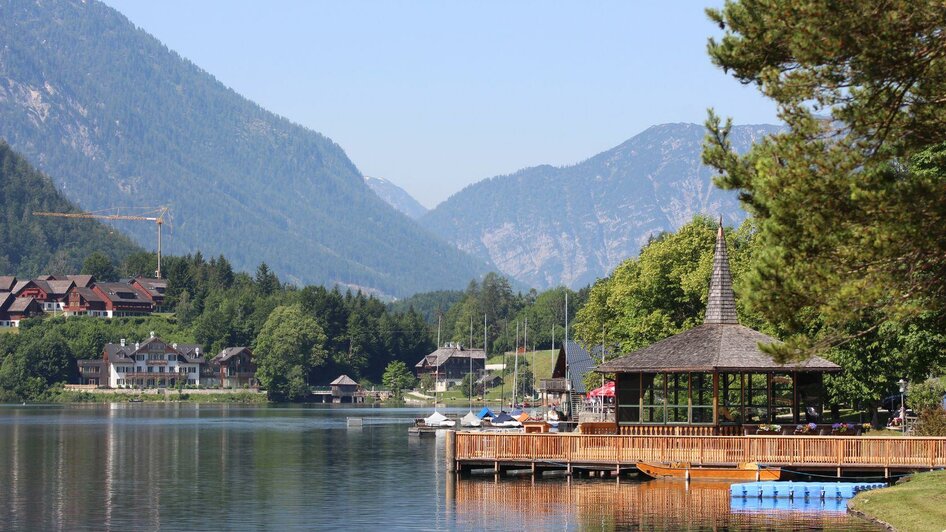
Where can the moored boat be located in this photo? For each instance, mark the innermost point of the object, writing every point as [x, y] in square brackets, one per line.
[684, 471]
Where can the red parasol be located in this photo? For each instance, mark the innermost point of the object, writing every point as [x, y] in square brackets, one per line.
[605, 391]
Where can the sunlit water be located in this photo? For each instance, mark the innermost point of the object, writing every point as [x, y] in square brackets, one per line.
[188, 467]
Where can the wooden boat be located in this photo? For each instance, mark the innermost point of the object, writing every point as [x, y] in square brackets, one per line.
[750, 471]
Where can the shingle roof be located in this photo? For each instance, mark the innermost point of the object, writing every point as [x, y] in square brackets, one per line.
[344, 380]
[443, 354]
[121, 293]
[88, 294]
[83, 281]
[721, 303]
[229, 353]
[191, 352]
[20, 304]
[59, 288]
[7, 282]
[720, 344]
[708, 348]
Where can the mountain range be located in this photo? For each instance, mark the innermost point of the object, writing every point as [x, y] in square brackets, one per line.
[118, 120]
[570, 225]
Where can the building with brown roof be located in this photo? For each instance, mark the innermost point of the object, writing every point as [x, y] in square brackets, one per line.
[450, 364]
[152, 289]
[122, 299]
[234, 368]
[714, 375]
[50, 292]
[15, 309]
[83, 301]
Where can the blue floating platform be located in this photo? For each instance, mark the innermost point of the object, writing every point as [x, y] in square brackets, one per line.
[739, 504]
[821, 491]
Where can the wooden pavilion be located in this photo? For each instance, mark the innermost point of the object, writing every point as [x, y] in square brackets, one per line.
[714, 378]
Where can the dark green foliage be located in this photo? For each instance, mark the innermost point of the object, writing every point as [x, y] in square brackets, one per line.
[117, 119]
[850, 209]
[289, 346]
[397, 378]
[32, 361]
[99, 266]
[32, 245]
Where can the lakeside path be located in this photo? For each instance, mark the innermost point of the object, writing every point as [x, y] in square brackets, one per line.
[916, 503]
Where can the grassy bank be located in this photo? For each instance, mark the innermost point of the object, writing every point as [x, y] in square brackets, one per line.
[916, 503]
[68, 396]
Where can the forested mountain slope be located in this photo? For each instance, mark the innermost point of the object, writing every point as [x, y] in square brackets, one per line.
[31, 245]
[117, 119]
[570, 225]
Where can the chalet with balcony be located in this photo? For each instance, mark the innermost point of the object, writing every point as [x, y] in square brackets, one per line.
[450, 364]
[122, 299]
[234, 368]
[152, 289]
[152, 363]
[84, 301]
[14, 309]
[48, 291]
[93, 371]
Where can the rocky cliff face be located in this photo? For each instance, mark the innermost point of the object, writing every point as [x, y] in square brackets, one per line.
[549, 226]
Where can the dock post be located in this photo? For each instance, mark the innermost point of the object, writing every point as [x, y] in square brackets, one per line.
[450, 456]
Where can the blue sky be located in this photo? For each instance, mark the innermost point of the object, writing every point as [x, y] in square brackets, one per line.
[438, 95]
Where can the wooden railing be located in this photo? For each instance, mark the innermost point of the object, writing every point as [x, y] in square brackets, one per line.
[821, 451]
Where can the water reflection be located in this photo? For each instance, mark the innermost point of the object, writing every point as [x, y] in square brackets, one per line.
[181, 467]
[646, 505]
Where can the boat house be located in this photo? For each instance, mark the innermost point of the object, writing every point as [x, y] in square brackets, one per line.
[714, 378]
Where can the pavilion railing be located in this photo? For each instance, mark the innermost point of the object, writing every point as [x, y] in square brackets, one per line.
[821, 451]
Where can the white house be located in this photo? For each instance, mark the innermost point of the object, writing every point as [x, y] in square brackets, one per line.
[152, 363]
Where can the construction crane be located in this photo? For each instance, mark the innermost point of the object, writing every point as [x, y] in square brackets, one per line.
[158, 219]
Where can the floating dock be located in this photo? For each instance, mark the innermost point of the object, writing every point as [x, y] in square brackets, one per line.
[801, 490]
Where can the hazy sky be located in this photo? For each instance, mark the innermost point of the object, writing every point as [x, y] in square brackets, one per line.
[437, 95]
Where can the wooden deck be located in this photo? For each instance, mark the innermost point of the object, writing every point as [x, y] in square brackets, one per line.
[466, 450]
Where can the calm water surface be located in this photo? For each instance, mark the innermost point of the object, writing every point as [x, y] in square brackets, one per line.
[190, 467]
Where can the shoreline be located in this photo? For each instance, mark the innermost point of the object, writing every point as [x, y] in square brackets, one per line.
[916, 502]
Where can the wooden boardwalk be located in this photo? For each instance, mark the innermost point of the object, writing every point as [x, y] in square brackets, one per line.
[469, 450]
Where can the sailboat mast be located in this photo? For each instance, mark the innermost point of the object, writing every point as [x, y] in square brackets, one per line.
[515, 370]
[485, 357]
[471, 364]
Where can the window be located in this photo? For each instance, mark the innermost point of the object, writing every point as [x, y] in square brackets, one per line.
[757, 398]
[655, 398]
[730, 398]
[629, 397]
[701, 393]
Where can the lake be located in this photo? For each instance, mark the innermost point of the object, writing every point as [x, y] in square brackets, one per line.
[212, 467]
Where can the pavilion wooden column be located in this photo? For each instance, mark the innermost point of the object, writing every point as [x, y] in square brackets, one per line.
[715, 399]
[795, 413]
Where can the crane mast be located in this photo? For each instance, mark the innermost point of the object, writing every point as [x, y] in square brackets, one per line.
[158, 220]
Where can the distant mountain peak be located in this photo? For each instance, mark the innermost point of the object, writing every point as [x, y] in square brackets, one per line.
[570, 225]
[396, 196]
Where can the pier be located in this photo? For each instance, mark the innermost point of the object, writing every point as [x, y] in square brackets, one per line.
[614, 454]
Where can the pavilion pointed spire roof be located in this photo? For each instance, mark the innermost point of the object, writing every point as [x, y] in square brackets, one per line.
[721, 304]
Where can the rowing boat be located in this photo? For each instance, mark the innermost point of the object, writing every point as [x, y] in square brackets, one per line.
[684, 471]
